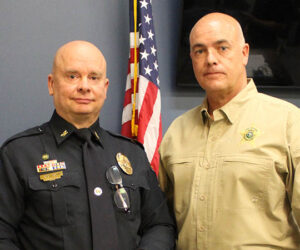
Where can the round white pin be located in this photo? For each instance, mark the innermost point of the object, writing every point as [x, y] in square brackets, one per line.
[97, 191]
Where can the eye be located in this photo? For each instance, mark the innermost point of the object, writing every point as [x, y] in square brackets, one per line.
[72, 76]
[199, 51]
[223, 48]
[94, 77]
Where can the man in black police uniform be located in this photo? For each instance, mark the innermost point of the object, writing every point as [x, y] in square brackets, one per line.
[70, 184]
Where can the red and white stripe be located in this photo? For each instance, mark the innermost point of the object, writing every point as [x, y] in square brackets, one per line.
[148, 111]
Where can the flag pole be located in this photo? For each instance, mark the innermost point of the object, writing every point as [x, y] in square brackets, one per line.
[134, 126]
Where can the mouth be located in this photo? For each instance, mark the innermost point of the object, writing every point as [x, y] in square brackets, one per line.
[83, 100]
[214, 73]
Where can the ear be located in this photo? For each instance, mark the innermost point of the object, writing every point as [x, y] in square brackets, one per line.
[106, 84]
[245, 53]
[191, 54]
[50, 84]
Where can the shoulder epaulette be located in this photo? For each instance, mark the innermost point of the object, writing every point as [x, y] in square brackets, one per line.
[126, 138]
[28, 132]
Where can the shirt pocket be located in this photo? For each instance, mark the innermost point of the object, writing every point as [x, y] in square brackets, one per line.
[52, 200]
[182, 174]
[129, 221]
[135, 188]
[244, 182]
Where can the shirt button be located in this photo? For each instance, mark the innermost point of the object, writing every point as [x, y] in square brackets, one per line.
[212, 138]
[97, 191]
[202, 229]
[206, 165]
[202, 197]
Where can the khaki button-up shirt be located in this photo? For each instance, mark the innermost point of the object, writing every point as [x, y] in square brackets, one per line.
[234, 181]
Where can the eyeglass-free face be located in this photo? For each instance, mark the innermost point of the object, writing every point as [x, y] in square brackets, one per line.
[121, 197]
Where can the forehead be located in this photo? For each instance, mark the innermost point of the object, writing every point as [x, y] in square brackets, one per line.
[213, 31]
[80, 59]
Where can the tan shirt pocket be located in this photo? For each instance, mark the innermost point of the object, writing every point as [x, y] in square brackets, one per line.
[244, 182]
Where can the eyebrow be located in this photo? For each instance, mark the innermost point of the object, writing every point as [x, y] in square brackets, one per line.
[215, 43]
[71, 71]
[222, 41]
[76, 71]
[95, 73]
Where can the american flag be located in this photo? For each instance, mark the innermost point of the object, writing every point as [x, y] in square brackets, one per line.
[142, 86]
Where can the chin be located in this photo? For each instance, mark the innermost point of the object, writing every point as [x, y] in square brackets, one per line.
[83, 108]
[82, 111]
[214, 85]
[87, 111]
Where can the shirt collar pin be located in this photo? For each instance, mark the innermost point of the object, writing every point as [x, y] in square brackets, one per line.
[63, 134]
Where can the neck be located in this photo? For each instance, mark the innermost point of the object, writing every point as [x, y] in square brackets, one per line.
[219, 99]
[215, 102]
[80, 120]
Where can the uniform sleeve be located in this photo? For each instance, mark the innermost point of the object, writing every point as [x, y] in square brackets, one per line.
[11, 203]
[165, 184]
[157, 227]
[293, 179]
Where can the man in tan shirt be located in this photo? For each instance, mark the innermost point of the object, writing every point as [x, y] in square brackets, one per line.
[230, 167]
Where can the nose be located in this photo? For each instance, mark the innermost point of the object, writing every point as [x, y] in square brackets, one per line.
[211, 57]
[83, 85]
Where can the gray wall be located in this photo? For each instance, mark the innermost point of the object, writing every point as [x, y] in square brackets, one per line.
[32, 30]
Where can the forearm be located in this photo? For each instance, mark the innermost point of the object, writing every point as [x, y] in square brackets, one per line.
[8, 239]
[11, 208]
[158, 226]
[159, 237]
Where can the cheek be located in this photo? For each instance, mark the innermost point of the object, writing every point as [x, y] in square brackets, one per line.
[236, 66]
[197, 66]
[245, 60]
[100, 93]
[67, 90]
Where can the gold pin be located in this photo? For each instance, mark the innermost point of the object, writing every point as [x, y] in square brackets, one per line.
[97, 135]
[63, 134]
[51, 176]
[45, 157]
[124, 163]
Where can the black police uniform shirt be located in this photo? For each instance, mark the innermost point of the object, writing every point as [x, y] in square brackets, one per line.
[40, 213]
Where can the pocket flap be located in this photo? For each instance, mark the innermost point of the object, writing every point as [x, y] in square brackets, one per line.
[67, 179]
[135, 183]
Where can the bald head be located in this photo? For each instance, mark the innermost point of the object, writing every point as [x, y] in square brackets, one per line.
[216, 20]
[78, 83]
[219, 55]
[77, 49]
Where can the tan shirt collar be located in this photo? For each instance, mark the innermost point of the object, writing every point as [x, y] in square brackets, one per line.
[231, 109]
